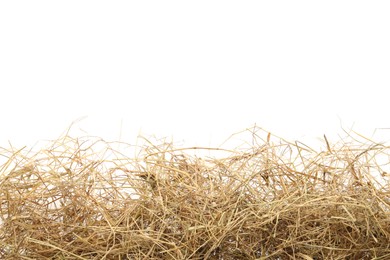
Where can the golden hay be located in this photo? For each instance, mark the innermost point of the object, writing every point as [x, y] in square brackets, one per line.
[273, 200]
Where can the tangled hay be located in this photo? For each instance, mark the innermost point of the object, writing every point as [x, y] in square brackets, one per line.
[271, 200]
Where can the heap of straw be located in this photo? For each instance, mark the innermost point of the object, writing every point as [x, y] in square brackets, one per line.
[272, 200]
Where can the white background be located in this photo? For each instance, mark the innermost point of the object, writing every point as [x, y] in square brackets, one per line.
[194, 71]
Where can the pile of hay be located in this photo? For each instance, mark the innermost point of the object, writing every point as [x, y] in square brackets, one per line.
[81, 199]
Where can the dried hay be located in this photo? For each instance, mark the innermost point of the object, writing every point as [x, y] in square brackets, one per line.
[272, 200]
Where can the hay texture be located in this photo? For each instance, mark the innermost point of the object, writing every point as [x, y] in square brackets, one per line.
[79, 198]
